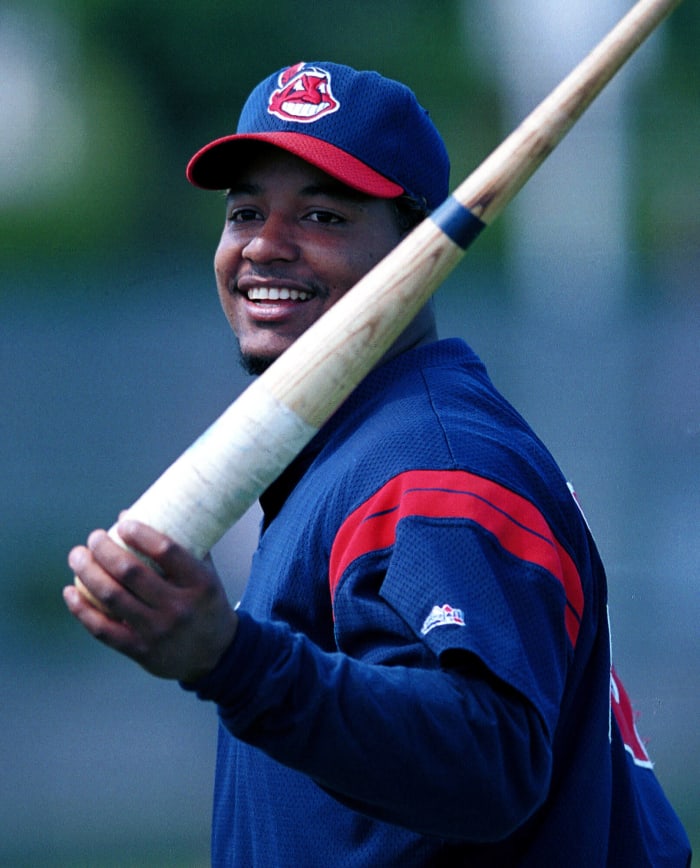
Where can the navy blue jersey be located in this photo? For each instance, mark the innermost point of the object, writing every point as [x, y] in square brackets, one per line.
[422, 673]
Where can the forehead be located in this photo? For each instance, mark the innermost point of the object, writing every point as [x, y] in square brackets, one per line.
[262, 165]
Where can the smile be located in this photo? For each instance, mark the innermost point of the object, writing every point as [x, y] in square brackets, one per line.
[273, 293]
[304, 110]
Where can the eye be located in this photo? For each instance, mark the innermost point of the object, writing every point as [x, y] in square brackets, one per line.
[243, 215]
[328, 218]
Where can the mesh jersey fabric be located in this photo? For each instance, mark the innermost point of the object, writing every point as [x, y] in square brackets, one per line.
[426, 607]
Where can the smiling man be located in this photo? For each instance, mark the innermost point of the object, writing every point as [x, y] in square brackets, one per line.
[294, 242]
[419, 671]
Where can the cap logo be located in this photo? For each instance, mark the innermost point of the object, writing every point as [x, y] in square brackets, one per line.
[304, 95]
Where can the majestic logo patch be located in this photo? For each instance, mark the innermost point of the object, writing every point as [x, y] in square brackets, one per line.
[440, 616]
[304, 95]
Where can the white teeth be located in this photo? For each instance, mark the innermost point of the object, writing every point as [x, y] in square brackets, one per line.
[304, 110]
[273, 293]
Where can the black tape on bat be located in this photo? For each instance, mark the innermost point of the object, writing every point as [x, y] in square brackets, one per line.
[457, 222]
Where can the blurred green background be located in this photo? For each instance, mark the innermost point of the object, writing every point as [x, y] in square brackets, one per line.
[582, 300]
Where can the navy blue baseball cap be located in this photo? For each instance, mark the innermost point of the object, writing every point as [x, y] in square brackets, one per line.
[366, 130]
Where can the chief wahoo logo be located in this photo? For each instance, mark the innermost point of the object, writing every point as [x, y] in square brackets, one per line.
[304, 95]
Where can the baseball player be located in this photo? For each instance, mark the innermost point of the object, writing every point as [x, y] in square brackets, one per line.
[419, 670]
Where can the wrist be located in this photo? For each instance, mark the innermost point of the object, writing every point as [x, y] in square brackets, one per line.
[226, 635]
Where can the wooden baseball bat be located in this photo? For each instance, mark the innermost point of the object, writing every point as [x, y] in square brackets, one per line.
[219, 477]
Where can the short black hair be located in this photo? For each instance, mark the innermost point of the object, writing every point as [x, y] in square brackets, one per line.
[409, 212]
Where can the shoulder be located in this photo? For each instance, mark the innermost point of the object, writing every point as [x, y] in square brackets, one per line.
[393, 421]
[412, 391]
[436, 406]
[432, 408]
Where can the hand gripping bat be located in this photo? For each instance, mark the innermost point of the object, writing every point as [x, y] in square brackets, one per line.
[212, 484]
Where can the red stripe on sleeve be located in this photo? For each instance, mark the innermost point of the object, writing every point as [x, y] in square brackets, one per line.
[517, 524]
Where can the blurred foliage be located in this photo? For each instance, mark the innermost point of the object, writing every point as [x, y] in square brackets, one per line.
[667, 138]
[157, 81]
[154, 82]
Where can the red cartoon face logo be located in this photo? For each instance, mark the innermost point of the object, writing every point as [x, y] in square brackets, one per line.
[304, 95]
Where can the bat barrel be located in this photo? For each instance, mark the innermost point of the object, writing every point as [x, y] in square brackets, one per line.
[488, 190]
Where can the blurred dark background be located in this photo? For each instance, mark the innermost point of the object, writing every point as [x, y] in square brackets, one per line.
[582, 300]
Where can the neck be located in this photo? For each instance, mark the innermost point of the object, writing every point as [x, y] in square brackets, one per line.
[421, 330]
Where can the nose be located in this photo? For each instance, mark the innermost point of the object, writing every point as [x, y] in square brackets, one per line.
[272, 240]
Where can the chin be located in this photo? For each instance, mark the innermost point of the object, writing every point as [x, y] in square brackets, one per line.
[255, 365]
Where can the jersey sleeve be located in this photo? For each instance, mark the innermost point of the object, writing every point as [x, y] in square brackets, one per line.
[445, 754]
[456, 562]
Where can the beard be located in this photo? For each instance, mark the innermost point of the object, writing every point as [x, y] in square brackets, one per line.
[253, 365]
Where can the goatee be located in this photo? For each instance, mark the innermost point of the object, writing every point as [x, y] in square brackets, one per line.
[254, 365]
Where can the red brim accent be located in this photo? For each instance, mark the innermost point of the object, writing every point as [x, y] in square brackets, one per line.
[215, 166]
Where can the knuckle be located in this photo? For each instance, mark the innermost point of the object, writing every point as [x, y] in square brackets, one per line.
[109, 597]
[128, 568]
[168, 548]
[103, 633]
[181, 613]
[165, 550]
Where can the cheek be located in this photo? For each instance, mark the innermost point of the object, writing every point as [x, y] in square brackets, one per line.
[223, 264]
[222, 261]
[367, 256]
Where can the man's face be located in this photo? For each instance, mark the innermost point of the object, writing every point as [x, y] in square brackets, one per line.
[294, 242]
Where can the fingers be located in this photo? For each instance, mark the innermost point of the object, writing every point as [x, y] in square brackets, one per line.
[171, 559]
[153, 601]
[116, 577]
[116, 634]
[113, 598]
[144, 571]
[112, 579]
